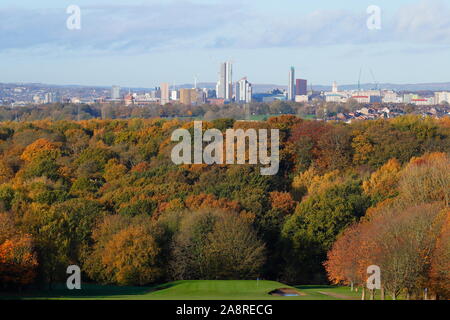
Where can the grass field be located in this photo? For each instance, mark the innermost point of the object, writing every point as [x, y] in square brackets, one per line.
[194, 290]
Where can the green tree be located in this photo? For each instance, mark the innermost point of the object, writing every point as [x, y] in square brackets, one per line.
[318, 220]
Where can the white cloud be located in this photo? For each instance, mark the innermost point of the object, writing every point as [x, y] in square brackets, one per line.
[177, 25]
[427, 21]
[114, 28]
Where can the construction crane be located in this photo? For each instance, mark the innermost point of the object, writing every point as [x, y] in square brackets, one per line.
[359, 79]
[374, 80]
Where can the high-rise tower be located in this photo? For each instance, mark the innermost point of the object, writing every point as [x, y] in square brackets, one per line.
[115, 92]
[225, 84]
[291, 85]
[243, 91]
[165, 93]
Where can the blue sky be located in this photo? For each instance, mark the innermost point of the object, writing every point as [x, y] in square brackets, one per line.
[144, 42]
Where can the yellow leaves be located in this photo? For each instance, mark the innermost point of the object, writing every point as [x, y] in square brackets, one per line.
[7, 229]
[141, 167]
[311, 182]
[440, 261]
[17, 258]
[426, 179]
[444, 122]
[6, 173]
[428, 158]
[383, 182]
[173, 205]
[304, 180]
[210, 201]
[167, 125]
[114, 170]
[65, 171]
[363, 148]
[130, 256]
[282, 201]
[39, 147]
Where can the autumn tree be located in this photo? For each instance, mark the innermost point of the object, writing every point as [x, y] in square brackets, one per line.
[131, 257]
[214, 244]
[440, 262]
[63, 233]
[432, 173]
[18, 260]
[318, 220]
[399, 241]
[383, 183]
[342, 263]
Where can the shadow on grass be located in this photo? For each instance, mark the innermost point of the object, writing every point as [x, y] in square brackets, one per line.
[87, 291]
[313, 287]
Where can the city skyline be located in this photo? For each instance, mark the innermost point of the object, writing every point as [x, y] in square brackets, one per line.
[178, 40]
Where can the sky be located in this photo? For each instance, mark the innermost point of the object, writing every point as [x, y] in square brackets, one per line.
[141, 43]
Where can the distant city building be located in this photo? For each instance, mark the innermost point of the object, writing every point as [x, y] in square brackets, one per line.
[366, 111]
[301, 98]
[336, 96]
[200, 97]
[391, 97]
[291, 85]
[211, 94]
[115, 92]
[423, 101]
[165, 93]
[244, 91]
[368, 96]
[301, 87]
[272, 98]
[37, 99]
[339, 97]
[49, 98]
[224, 86]
[145, 99]
[335, 87]
[185, 96]
[156, 93]
[409, 97]
[441, 97]
[192, 96]
[216, 102]
[129, 99]
[174, 95]
[361, 98]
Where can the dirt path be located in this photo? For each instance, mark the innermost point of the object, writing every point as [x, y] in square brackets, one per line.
[336, 295]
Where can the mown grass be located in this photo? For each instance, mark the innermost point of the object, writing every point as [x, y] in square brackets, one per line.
[193, 290]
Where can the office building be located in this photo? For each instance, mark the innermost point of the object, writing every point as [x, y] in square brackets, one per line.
[224, 86]
[185, 96]
[165, 93]
[192, 97]
[441, 97]
[115, 92]
[174, 95]
[48, 98]
[391, 97]
[291, 85]
[368, 96]
[244, 91]
[301, 98]
[301, 87]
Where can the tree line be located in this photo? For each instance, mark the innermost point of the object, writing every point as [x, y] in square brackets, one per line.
[104, 195]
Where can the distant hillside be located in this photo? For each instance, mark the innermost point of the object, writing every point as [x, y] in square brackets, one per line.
[262, 88]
